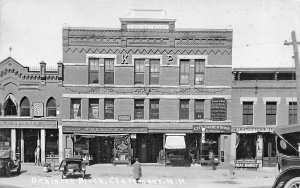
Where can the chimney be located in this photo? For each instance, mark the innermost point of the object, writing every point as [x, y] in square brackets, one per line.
[43, 70]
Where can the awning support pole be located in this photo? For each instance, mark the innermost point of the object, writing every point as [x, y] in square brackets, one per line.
[164, 143]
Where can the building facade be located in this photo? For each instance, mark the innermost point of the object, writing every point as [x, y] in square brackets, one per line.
[128, 92]
[30, 103]
[262, 98]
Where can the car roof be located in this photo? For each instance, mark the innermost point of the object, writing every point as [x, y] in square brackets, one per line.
[284, 129]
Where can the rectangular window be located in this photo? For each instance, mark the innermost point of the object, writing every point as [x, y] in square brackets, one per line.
[94, 70]
[139, 109]
[139, 71]
[154, 71]
[75, 108]
[184, 72]
[94, 109]
[109, 71]
[247, 113]
[199, 109]
[199, 71]
[154, 109]
[292, 113]
[109, 109]
[271, 108]
[184, 109]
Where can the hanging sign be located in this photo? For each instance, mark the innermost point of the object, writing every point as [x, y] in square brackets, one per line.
[218, 109]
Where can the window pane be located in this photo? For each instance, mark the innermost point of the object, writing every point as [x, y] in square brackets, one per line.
[109, 78]
[109, 64]
[94, 78]
[139, 78]
[199, 79]
[94, 64]
[25, 107]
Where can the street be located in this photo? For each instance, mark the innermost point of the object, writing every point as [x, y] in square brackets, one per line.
[101, 175]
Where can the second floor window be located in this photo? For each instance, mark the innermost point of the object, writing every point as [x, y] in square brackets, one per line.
[139, 71]
[93, 108]
[154, 71]
[292, 113]
[184, 72]
[154, 109]
[184, 109]
[139, 109]
[109, 71]
[199, 109]
[247, 113]
[109, 109]
[93, 71]
[10, 107]
[25, 107]
[199, 71]
[271, 108]
[75, 108]
[51, 107]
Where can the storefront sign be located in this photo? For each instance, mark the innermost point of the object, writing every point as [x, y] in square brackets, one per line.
[212, 128]
[218, 109]
[124, 117]
[28, 124]
[252, 129]
[105, 129]
[246, 163]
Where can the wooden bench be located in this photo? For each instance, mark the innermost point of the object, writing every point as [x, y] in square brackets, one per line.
[251, 163]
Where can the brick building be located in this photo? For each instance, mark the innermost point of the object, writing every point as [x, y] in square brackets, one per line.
[129, 92]
[30, 104]
[262, 98]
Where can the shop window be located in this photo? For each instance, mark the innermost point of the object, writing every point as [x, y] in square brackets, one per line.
[199, 71]
[5, 137]
[139, 71]
[247, 113]
[246, 146]
[25, 107]
[93, 71]
[93, 108]
[109, 71]
[154, 71]
[154, 109]
[10, 107]
[139, 109]
[109, 109]
[51, 108]
[51, 143]
[75, 108]
[210, 144]
[271, 108]
[184, 109]
[292, 113]
[184, 71]
[199, 109]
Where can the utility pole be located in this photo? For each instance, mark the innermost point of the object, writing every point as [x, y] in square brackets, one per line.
[297, 66]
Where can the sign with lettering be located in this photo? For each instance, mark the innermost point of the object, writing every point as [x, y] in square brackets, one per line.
[218, 109]
[105, 129]
[32, 124]
[124, 117]
[147, 26]
[252, 129]
[246, 163]
[212, 128]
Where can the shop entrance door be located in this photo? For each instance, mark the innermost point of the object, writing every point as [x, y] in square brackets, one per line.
[106, 149]
[30, 143]
[269, 158]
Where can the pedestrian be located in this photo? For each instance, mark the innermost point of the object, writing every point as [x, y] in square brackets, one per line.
[212, 159]
[137, 170]
[37, 155]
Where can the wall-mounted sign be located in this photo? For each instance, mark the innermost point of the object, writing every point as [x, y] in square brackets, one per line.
[124, 117]
[76, 129]
[218, 109]
[28, 124]
[147, 26]
[252, 129]
[212, 128]
[246, 163]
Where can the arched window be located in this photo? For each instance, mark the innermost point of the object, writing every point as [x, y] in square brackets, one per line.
[10, 106]
[51, 107]
[25, 107]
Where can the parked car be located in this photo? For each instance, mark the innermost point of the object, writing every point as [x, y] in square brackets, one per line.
[72, 166]
[287, 144]
[7, 163]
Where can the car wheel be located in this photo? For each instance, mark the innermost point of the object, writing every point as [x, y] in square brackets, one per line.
[7, 171]
[19, 169]
[293, 183]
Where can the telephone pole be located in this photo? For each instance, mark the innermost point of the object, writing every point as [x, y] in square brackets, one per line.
[297, 66]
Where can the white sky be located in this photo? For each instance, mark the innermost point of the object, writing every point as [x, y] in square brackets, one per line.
[33, 28]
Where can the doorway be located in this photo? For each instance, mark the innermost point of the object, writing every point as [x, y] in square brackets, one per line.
[269, 157]
[30, 143]
[106, 149]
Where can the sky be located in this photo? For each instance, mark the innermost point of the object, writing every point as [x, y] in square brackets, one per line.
[33, 28]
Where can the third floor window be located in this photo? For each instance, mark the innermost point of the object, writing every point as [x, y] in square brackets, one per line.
[199, 71]
[109, 71]
[139, 71]
[184, 72]
[154, 71]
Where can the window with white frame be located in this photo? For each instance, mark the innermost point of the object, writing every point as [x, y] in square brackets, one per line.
[93, 70]
[184, 71]
[93, 108]
[154, 71]
[271, 110]
[247, 113]
[109, 71]
[292, 113]
[199, 109]
[139, 71]
[75, 108]
[199, 71]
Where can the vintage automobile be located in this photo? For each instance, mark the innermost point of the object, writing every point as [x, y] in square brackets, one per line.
[72, 166]
[7, 164]
[288, 159]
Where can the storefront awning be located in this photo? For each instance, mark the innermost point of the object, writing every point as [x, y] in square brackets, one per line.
[175, 141]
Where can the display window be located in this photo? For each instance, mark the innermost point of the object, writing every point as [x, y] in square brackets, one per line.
[246, 146]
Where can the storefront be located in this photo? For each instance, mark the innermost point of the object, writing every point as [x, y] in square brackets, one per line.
[255, 144]
[17, 133]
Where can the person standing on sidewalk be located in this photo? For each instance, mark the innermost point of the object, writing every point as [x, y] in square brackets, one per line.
[37, 155]
[212, 159]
